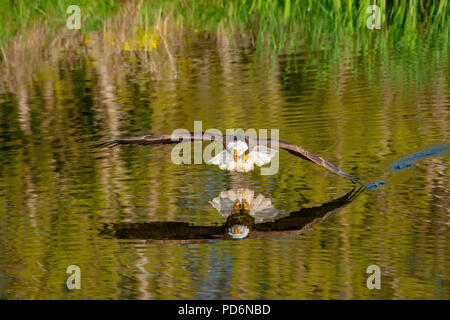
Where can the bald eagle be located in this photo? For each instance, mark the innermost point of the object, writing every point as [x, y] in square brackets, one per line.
[241, 152]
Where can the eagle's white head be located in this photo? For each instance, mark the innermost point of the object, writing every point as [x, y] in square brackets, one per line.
[237, 148]
[237, 157]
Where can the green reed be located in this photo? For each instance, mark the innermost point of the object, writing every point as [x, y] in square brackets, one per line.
[270, 26]
[286, 25]
[17, 16]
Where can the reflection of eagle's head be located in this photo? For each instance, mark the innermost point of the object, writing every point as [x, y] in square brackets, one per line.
[239, 225]
[238, 231]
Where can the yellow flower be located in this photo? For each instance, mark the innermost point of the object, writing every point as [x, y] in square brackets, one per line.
[87, 40]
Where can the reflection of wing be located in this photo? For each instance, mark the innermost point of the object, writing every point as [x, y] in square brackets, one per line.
[163, 231]
[223, 205]
[241, 194]
[305, 218]
[181, 232]
[260, 207]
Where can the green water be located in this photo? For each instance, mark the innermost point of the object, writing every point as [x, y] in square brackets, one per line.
[361, 112]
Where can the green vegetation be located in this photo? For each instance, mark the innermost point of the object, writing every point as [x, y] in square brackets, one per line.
[279, 26]
[17, 16]
[286, 25]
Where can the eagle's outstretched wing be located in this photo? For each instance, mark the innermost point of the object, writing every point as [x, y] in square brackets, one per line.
[302, 153]
[202, 136]
[163, 139]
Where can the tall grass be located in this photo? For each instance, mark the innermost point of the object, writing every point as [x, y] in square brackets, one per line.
[269, 26]
[285, 25]
[17, 16]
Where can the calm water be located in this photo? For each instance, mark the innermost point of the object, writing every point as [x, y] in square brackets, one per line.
[65, 203]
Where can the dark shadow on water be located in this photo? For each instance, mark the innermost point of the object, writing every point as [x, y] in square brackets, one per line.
[408, 162]
[374, 185]
[243, 220]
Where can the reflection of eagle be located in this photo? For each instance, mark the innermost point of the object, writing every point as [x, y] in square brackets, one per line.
[241, 152]
[259, 207]
[240, 223]
[242, 201]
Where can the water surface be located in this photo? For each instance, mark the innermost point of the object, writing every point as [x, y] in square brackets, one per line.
[57, 193]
